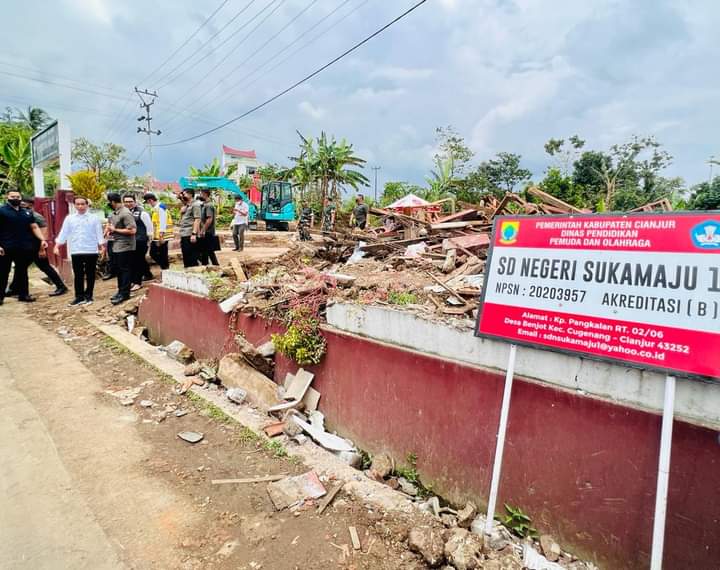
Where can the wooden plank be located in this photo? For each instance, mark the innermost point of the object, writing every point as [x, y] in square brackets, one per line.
[447, 288]
[238, 269]
[265, 479]
[553, 201]
[354, 537]
[329, 498]
[449, 226]
[458, 216]
[467, 242]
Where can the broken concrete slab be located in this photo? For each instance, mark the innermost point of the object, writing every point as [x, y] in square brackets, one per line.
[267, 349]
[292, 490]
[236, 395]
[463, 549]
[327, 440]
[382, 465]
[550, 548]
[466, 516]
[232, 303]
[254, 358]
[179, 351]
[234, 372]
[311, 400]
[428, 543]
[299, 385]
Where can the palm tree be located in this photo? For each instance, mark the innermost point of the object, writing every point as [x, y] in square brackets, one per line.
[441, 181]
[34, 118]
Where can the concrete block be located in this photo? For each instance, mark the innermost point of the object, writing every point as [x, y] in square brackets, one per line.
[234, 372]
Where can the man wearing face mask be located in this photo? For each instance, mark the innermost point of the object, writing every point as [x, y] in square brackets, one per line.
[41, 261]
[18, 231]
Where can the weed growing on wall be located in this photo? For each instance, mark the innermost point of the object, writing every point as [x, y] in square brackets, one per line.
[302, 341]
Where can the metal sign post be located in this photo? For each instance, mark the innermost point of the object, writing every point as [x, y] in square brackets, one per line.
[48, 146]
[500, 444]
[663, 475]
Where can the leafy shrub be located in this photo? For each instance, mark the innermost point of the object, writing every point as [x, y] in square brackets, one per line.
[302, 341]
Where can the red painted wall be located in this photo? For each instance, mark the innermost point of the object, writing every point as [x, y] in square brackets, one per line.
[584, 469]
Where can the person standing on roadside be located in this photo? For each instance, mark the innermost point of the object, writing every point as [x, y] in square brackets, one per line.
[208, 240]
[18, 232]
[307, 219]
[239, 224]
[328, 221]
[189, 228]
[122, 228]
[162, 230]
[110, 266]
[83, 233]
[39, 258]
[358, 218]
[143, 222]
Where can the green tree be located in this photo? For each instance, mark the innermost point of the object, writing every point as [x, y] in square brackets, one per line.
[211, 169]
[108, 161]
[705, 196]
[564, 154]
[504, 172]
[452, 147]
[562, 187]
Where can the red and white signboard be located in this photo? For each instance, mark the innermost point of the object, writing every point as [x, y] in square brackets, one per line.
[643, 289]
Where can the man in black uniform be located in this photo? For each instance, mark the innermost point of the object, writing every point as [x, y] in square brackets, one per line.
[41, 261]
[18, 231]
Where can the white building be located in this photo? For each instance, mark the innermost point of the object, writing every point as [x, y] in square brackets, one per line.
[246, 160]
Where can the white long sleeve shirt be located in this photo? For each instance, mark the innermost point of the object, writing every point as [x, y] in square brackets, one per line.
[82, 232]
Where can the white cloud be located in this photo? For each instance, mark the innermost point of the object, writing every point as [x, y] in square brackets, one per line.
[401, 73]
[311, 110]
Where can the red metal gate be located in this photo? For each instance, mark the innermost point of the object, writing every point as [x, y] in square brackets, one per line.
[54, 210]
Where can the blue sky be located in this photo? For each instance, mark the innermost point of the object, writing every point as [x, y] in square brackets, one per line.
[507, 75]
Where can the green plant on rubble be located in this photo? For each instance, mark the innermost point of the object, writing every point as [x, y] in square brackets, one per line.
[220, 288]
[517, 522]
[275, 447]
[302, 340]
[402, 298]
[409, 471]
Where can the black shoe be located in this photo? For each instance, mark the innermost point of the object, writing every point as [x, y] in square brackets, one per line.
[59, 291]
[119, 299]
[88, 300]
[77, 301]
[27, 299]
[107, 277]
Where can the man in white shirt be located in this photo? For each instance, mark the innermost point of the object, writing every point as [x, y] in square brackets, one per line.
[240, 222]
[83, 232]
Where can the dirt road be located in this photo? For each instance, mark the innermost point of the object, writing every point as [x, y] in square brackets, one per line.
[86, 482]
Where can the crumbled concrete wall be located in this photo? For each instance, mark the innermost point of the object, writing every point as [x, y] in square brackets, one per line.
[697, 401]
[183, 281]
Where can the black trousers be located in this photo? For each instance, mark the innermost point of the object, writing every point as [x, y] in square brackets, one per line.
[207, 250]
[190, 252]
[22, 258]
[159, 254]
[140, 267]
[123, 264]
[84, 266]
[111, 267]
[43, 264]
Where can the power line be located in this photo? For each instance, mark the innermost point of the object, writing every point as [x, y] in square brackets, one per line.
[186, 42]
[222, 97]
[48, 82]
[303, 80]
[206, 42]
[63, 77]
[258, 50]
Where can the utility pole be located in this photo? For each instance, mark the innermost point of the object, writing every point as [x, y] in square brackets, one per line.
[376, 168]
[147, 100]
